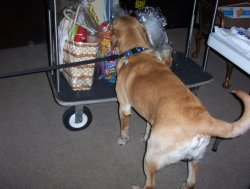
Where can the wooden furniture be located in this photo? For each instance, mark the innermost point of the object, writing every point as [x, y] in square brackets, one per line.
[227, 50]
[206, 9]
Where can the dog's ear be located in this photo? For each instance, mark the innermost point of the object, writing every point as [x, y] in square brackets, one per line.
[143, 32]
[146, 35]
[115, 43]
[115, 37]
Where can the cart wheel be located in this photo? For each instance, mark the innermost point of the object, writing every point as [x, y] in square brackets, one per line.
[70, 117]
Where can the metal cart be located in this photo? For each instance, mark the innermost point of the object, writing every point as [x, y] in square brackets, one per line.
[78, 116]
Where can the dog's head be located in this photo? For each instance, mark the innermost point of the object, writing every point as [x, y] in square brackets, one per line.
[127, 33]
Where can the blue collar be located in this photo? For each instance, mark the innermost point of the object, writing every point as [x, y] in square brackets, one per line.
[133, 51]
[125, 55]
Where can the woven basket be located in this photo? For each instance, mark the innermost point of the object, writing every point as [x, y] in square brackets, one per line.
[80, 77]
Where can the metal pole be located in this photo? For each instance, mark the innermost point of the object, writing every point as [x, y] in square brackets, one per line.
[50, 35]
[56, 46]
[211, 30]
[191, 29]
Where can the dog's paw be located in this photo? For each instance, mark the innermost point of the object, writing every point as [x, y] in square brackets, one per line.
[135, 187]
[143, 138]
[187, 186]
[184, 186]
[122, 141]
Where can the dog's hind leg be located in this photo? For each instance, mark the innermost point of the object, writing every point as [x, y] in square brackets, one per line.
[150, 169]
[156, 157]
[191, 179]
[125, 114]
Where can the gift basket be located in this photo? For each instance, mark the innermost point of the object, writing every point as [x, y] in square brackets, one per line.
[78, 42]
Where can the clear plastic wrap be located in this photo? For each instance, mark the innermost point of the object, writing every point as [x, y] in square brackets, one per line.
[155, 22]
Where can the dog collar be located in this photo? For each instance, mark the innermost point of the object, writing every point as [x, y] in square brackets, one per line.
[125, 55]
[133, 51]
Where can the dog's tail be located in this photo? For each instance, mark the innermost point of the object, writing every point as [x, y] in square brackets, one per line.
[230, 130]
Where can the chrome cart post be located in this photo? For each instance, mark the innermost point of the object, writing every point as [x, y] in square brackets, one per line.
[51, 45]
[56, 45]
[211, 30]
[191, 29]
[53, 39]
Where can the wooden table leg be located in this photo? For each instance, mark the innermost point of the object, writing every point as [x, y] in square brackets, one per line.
[227, 81]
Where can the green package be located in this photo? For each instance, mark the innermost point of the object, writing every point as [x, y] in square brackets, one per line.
[73, 32]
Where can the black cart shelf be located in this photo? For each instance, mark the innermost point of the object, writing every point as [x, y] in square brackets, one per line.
[78, 116]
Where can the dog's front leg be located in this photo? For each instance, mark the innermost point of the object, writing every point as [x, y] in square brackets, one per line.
[192, 170]
[125, 114]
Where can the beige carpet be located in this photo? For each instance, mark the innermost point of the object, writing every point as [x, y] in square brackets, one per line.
[38, 152]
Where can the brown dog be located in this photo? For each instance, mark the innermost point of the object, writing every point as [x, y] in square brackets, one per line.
[181, 125]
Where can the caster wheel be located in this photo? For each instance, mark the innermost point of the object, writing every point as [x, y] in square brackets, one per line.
[77, 121]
